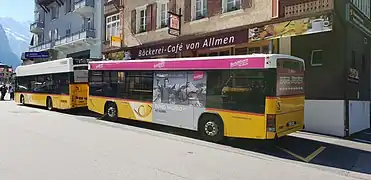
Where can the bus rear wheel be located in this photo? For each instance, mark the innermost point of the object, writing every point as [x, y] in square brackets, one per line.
[49, 103]
[22, 100]
[110, 111]
[211, 128]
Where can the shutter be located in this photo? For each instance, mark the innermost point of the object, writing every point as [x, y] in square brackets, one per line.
[149, 18]
[133, 21]
[154, 16]
[275, 8]
[247, 4]
[214, 7]
[187, 10]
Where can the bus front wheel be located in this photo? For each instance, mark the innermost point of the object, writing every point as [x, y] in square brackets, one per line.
[110, 111]
[49, 103]
[211, 128]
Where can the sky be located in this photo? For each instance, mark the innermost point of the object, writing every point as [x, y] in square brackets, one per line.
[20, 10]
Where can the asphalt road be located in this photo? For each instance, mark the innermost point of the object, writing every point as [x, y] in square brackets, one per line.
[40, 145]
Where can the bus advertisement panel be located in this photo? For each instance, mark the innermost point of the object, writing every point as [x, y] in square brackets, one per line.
[233, 96]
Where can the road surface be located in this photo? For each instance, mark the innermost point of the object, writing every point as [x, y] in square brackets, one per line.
[40, 145]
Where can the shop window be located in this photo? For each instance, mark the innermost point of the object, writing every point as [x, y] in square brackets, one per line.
[254, 50]
[265, 49]
[214, 54]
[240, 51]
[224, 53]
[316, 58]
[231, 5]
[202, 55]
[162, 14]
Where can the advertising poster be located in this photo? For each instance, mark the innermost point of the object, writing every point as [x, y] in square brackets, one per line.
[176, 94]
[317, 24]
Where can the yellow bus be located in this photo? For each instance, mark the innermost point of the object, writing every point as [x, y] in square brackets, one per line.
[57, 84]
[256, 96]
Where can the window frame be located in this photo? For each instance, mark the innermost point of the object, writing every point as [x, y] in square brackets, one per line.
[225, 6]
[159, 12]
[109, 28]
[138, 19]
[54, 12]
[312, 55]
[203, 10]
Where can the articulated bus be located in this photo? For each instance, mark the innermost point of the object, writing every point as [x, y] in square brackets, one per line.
[250, 96]
[57, 84]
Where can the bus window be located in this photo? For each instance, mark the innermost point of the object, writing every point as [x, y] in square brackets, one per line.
[239, 90]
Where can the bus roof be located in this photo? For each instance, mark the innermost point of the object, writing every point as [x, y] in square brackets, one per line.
[254, 61]
[48, 67]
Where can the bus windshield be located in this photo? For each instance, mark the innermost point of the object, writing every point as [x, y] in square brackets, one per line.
[290, 77]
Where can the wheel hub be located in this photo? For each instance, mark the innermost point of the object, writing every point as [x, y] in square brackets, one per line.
[111, 112]
[211, 128]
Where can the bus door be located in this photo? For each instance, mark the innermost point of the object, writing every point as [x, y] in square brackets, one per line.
[177, 98]
[290, 95]
[79, 89]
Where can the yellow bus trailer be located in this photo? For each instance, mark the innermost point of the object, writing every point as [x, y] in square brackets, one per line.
[250, 96]
[57, 84]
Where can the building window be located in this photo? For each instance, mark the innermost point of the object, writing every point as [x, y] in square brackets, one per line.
[231, 5]
[54, 12]
[112, 26]
[141, 20]
[55, 34]
[363, 6]
[162, 15]
[316, 58]
[200, 10]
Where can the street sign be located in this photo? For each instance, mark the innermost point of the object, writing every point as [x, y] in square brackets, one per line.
[36, 55]
[358, 19]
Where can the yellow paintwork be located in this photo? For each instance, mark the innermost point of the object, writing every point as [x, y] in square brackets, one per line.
[141, 111]
[59, 101]
[236, 124]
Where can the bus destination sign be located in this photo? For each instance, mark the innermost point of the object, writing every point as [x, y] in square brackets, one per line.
[80, 61]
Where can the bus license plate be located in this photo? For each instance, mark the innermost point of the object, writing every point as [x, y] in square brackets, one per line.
[291, 123]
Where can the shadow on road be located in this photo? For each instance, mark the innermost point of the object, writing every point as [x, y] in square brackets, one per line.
[288, 147]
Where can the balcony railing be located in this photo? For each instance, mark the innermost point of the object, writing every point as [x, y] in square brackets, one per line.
[37, 27]
[84, 7]
[42, 46]
[290, 8]
[85, 33]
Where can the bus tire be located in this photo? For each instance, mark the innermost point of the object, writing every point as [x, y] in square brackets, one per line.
[22, 100]
[211, 128]
[110, 111]
[49, 103]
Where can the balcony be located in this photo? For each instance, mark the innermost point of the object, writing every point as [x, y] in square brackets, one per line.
[44, 3]
[37, 27]
[83, 38]
[41, 47]
[84, 7]
[292, 8]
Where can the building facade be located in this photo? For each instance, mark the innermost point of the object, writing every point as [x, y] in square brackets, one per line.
[67, 28]
[6, 74]
[144, 28]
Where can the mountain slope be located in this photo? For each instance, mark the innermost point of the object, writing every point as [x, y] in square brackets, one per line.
[6, 55]
[18, 34]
